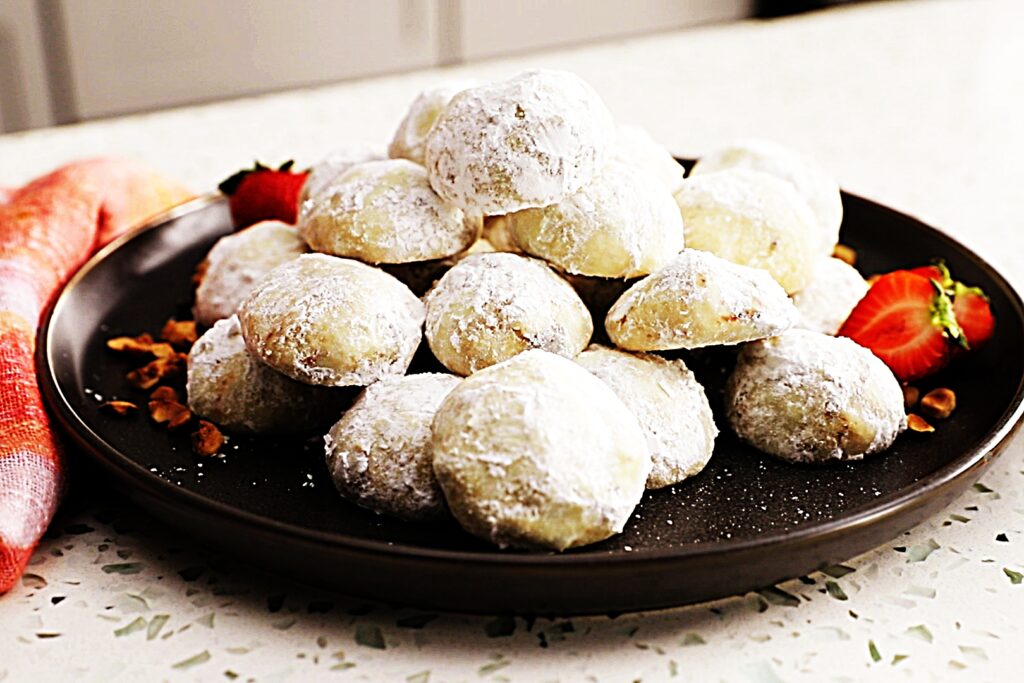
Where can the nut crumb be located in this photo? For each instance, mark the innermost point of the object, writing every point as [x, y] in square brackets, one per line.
[149, 375]
[119, 407]
[164, 394]
[910, 396]
[207, 439]
[845, 254]
[169, 411]
[939, 403]
[916, 423]
[181, 333]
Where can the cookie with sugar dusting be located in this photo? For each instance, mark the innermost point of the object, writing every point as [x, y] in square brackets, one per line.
[826, 302]
[668, 403]
[754, 219]
[621, 224]
[808, 397]
[634, 146]
[331, 321]
[531, 140]
[411, 137]
[230, 387]
[237, 262]
[699, 300]
[811, 181]
[490, 307]
[385, 212]
[379, 453]
[336, 163]
[536, 452]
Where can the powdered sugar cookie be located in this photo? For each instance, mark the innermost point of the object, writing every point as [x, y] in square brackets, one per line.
[332, 321]
[634, 146]
[825, 303]
[411, 136]
[536, 452]
[531, 140]
[336, 163]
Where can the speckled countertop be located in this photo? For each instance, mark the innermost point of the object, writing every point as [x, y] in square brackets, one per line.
[915, 104]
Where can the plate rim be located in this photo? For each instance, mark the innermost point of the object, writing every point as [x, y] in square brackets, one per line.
[74, 426]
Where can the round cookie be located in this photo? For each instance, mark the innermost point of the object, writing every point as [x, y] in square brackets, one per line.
[411, 136]
[634, 146]
[825, 304]
[336, 163]
[753, 219]
[490, 307]
[808, 397]
[531, 140]
[810, 180]
[226, 385]
[379, 453]
[332, 321]
[385, 212]
[622, 224]
[699, 300]
[668, 403]
[536, 452]
[237, 262]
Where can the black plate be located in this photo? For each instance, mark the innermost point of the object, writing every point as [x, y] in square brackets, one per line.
[747, 521]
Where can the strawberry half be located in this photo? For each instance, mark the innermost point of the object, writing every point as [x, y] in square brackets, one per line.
[973, 314]
[907, 320]
[262, 194]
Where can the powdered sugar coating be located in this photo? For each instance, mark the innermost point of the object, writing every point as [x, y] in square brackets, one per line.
[808, 397]
[811, 181]
[528, 141]
[385, 212]
[379, 453]
[411, 137]
[634, 146]
[536, 452]
[230, 387]
[826, 302]
[336, 322]
[336, 163]
[753, 219]
[490, 307]
[237, 262]
[699, 300]
[621, 224]
[668, 403]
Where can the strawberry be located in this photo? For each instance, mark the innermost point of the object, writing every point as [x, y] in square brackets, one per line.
[938, 272]
[973, 314]
[261, 194]
[907, 320]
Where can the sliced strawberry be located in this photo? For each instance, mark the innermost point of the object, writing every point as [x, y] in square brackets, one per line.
[262, 194]
[907, 320]
[938, 272]
[973, 314]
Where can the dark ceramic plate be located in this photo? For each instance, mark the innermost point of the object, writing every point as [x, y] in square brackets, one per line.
[746, 522]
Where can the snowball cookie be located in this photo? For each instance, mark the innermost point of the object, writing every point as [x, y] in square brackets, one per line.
[812, 182]
[379, 453]
[825, 304]
[635, 146]
[489, 307]
[385, 212]
[228, 386]
[753, 219]
[699, 300]
[536, 452]
[411, 136]
[808, 397]
[336, 163]
[669, 405]
[529, 141]
[237, 262]
[337, 322]
[622, 224]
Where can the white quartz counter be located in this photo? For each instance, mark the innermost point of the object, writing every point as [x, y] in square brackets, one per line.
[916, 105]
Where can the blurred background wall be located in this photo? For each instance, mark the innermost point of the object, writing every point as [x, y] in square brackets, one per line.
[63, 61]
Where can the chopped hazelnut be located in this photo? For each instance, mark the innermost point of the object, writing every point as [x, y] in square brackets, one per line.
[140, 345]
[910, 396]
[938, 403]
[207, 439]
[845, 254]
[119, 407]
[181, 333]
[149, 375]
[164, 394]
[916, 423]
[167, 411]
